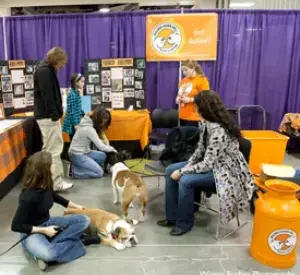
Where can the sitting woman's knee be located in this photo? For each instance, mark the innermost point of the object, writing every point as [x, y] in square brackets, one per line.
[185, 183]
[170, 169]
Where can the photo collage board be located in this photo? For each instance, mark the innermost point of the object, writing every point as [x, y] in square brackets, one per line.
[17, 85]
[116, 83]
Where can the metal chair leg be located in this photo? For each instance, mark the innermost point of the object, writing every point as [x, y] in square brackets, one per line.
[159, 194]
[216, 236]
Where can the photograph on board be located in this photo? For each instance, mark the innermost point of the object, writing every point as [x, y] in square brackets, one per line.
[93, 67]
[106, 94]
[18, 90]
[105, 78]
[6, 83]
[90, 89]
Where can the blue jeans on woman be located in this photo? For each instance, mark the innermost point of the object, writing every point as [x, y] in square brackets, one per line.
[88, 165]
[180, 195]
[64, 247]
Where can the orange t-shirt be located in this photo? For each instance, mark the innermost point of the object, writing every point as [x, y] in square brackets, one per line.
[191, 86]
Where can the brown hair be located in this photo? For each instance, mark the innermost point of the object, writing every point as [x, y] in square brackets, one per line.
[212, 109]
[56, 55]
[101, 118]
[192, 64]
[38, 171]
[74, 79]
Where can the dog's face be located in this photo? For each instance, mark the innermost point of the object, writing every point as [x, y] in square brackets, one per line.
[124, 233]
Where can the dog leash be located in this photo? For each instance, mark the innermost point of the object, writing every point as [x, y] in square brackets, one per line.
[25, 237]
[21, 240]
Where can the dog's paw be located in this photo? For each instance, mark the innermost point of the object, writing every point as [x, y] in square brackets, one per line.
[134, 222]
[116, 202]
[120, 246]
[142, 218]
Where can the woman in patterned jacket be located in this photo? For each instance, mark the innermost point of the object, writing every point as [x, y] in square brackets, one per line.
[74, 111]
[216, 164]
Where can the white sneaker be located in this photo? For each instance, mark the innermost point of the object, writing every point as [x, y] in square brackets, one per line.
[62, 186]
[42, 265]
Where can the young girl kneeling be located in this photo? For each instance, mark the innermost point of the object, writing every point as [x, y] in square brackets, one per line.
[87, 163]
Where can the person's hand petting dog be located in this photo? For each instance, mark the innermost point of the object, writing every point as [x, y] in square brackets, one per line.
[113, 150]
[76, 206]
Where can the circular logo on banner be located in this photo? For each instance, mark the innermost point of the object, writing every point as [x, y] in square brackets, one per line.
[166, 38]
[282, 241]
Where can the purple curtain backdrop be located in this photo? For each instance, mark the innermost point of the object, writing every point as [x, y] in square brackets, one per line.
[2, 52]
[258, 58]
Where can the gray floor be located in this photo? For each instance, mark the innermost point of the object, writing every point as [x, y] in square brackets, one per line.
[157, 252]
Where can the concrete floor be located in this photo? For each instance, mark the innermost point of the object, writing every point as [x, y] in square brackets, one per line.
[157, 253]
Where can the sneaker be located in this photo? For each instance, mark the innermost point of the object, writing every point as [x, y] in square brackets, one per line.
[42, 265]
[63, 186]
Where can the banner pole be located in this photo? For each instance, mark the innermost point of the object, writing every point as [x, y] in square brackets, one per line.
[180, 76]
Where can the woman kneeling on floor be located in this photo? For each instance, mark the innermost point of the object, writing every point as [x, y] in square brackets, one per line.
[87, 163]
[33, 220]
[217, 165]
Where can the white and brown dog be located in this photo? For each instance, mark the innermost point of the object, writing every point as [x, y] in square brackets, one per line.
[128, 187]
[111, 229]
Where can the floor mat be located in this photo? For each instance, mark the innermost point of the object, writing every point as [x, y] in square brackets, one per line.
[138, 166]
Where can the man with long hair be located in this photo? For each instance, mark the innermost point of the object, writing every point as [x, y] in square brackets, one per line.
[48, 110]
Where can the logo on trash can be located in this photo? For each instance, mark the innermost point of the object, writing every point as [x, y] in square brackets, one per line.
[282, 241]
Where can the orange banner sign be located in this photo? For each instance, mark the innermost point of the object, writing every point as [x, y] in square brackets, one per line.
[176, 37]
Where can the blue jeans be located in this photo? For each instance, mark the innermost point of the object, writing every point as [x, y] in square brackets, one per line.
[88, 165]
[180, 195]
[63, 248]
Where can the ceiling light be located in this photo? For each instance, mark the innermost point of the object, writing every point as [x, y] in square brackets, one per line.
[104, 10]
[241, 4]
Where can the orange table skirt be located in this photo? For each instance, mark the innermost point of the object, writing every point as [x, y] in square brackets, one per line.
[133, 125]
[125, 125]
[267, 147]
[12, 149]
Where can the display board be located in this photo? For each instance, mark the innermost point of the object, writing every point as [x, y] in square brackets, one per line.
[17, 85]
[116, 83]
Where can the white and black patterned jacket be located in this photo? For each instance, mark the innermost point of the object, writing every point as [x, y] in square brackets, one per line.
[234, 181]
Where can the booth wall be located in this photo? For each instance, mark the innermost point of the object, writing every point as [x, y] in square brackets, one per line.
[2, 41]
[258, 58]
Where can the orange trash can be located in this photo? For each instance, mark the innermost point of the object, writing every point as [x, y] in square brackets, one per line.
[267, 147]
[276, 225]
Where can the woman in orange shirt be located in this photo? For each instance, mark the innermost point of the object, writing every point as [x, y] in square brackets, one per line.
[194, 82]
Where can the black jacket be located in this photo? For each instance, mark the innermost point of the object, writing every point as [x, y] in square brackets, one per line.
[181, 143]
[47, 96]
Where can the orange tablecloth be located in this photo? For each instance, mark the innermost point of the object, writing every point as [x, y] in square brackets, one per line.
[133, 125]
[12, 149]
[125, 125]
